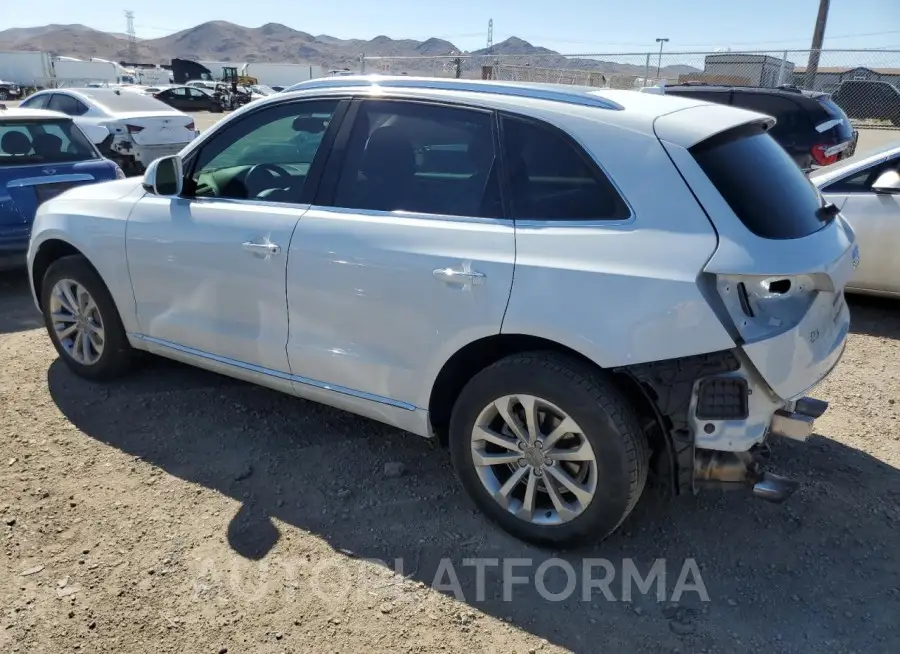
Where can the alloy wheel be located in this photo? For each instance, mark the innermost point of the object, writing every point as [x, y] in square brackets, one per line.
[534, 459]
[77, 322]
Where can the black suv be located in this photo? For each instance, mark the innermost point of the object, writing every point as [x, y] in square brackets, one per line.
[810, 126]
[863, 99]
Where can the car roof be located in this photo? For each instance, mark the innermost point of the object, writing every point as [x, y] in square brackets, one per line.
[19, 113]
[786, 89]
[622, 108]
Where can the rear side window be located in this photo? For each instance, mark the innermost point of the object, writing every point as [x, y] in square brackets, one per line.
[551, 178]
[761, 183]
[422, 158]
[67, 105]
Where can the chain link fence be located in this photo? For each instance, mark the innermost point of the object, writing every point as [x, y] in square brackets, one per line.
[864, 83]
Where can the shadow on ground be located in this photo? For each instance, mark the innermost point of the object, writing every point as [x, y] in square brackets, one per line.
[875, 316]
[17, 311]
[810, 573]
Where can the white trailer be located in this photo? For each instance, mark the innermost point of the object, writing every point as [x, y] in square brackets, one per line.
[74, 72]
[282, 74]
[26, 68]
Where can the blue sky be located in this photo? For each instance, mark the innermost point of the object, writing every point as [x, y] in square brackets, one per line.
[569, 26]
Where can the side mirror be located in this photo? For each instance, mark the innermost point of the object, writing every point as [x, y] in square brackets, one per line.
[164, 176]
[888, 183]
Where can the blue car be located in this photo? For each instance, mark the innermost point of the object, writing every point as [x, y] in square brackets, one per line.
[42, 153]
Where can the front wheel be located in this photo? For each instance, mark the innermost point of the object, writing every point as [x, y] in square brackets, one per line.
[549, 449]
[82, 320]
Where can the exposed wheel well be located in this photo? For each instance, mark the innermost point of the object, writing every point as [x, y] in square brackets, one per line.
[478, 355]
[49, 251]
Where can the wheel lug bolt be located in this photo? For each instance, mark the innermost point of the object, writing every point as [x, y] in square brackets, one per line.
[540, 445]
[521, 445]
[537, 472]
[522, 463]
[548, 461]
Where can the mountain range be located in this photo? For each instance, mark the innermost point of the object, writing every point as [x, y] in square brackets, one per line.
[273, 42]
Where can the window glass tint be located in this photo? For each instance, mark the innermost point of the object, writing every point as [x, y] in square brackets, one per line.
[266, 155]
[761, 183]
[421, 158]
[36, 102]
[43, 142]
[66, 104]
[177, 92]
[550, 179]
[196, 93]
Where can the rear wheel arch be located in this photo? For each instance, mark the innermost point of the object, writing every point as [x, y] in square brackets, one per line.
[474, 357]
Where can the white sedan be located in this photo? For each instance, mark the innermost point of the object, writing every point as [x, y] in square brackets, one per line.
[867, 191]
[130, 128]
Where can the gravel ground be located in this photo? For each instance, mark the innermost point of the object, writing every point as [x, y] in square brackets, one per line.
[180, 511]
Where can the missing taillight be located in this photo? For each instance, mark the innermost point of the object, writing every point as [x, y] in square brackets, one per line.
[190, 126]
[134, 129]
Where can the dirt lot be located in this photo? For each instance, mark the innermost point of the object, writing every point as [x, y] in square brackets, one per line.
[179, 511]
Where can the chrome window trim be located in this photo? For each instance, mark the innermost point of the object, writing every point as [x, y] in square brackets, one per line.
[343, 390]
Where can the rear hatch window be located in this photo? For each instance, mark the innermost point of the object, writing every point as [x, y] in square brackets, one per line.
[761, 183]
[844, 130]
[24, 142]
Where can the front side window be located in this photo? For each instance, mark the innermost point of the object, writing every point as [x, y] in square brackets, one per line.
[862, 181]
[177, 93]
[264, 156]
[36, 102]
[422, 158]
[550, 178]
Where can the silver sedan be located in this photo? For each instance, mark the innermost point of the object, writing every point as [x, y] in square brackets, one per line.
[867, 191]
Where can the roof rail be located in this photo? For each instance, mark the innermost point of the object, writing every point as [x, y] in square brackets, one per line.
[552, 92]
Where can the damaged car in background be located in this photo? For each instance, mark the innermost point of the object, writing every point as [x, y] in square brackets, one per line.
[571, 289]
[129, 128]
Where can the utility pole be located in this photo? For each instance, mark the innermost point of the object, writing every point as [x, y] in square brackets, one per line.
[659, 61]
[812, 67]
[132, 36]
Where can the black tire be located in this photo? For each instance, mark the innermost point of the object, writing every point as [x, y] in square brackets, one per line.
[4, 95]
[591, 399]
[117, 355]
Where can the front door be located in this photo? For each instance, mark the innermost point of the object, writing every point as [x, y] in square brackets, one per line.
[208, 268]
[405, 256]
[875, 218]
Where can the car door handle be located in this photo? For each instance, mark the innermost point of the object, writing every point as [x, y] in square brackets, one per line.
[262, 248]
[456, 276]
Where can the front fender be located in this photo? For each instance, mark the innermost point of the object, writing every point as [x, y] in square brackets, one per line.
[95, 228]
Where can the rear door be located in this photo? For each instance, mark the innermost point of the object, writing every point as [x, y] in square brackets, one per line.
[405, 256]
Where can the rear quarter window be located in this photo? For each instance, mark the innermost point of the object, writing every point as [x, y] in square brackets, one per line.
[761, 183]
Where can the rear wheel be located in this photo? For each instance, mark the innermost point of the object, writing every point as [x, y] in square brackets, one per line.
[548, 448]
[82, 320]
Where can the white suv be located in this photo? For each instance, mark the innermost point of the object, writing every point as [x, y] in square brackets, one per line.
[571, 287]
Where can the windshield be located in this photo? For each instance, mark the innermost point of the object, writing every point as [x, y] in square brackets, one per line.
[120, 100]
[43, 142]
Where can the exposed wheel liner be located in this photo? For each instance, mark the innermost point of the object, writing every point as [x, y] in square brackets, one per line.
[117, 356]
[610, 424]
[671, 384]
